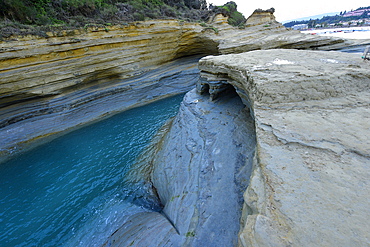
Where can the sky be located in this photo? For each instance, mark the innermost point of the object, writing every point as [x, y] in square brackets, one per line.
[292, 9]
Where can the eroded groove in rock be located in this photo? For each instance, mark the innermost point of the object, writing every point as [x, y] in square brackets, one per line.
[204, 167]
[201, 169]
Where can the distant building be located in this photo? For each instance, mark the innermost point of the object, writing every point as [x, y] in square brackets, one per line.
[300, 26]
[356, 13]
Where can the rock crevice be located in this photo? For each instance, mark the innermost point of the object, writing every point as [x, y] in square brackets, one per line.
[200, 172]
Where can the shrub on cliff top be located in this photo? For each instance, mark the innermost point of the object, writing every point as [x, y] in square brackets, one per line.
[47, 14]
[230, 9]
[44, 12]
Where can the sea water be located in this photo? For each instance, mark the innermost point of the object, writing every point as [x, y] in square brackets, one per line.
[72, 190]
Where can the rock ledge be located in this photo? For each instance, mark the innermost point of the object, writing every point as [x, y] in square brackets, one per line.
[310, 180]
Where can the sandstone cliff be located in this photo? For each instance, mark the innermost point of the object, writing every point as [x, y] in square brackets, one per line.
[55, 75]
[260, 16]
[309, 185]
[300, 142]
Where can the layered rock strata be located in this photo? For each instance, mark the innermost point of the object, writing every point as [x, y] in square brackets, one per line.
[260, 16]
[32, 122]
[310, 111]
[38, 75]
[309, 184]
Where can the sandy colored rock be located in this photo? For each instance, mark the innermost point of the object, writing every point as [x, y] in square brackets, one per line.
[310, 180]
[260, 16]
[38, 75]
[32, 122]
[41, 67]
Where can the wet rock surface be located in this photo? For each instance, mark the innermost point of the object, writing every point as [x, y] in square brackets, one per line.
[309, 185]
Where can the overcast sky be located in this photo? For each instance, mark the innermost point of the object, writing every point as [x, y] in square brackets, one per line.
[289, 9]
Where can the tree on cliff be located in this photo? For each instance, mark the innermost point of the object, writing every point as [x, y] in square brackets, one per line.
[230, 9]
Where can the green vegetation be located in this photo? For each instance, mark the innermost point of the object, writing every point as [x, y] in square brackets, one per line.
[190, 234]
[230, 9]
[39, 16]
[174, 197]
[76, 12]
[326, 20]
[209, 27]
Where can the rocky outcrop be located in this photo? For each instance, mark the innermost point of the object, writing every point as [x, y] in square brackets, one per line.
[32, 122]
[309, 182]
[40, 77]
[260, 16]
[305, 165]
[200, 172]
[310, 111]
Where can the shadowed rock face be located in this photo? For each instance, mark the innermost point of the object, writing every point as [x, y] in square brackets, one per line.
[310, 180]
[200, 172]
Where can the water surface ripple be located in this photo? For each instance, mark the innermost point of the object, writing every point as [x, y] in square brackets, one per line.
[71, 191]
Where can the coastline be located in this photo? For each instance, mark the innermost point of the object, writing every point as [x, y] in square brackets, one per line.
[343, 32]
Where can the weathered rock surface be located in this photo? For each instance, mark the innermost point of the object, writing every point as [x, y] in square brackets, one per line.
[200, 173]
[310, 108]
[39, 75]
[260, 16]
[25, 123]
[39, 67]
[309, 185]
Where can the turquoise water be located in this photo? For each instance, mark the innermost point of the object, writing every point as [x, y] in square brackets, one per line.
[71, 191]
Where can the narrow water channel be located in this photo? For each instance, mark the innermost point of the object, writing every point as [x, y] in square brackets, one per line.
[71, 191]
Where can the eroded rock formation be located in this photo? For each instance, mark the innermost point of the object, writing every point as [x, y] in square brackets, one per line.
[310, 180]
[38, 75]
[309, 183]
[260, 16]
[200, 172]
[310, 111]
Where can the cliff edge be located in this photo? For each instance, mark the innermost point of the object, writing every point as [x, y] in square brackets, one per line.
[71, 69]
[309, 184]
[299, 146]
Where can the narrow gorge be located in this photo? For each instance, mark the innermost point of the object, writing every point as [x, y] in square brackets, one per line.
[270, 146]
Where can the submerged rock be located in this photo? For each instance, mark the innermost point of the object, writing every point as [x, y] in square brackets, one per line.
[309, 186]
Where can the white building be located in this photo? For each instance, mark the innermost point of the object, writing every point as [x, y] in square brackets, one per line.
[300, 26]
